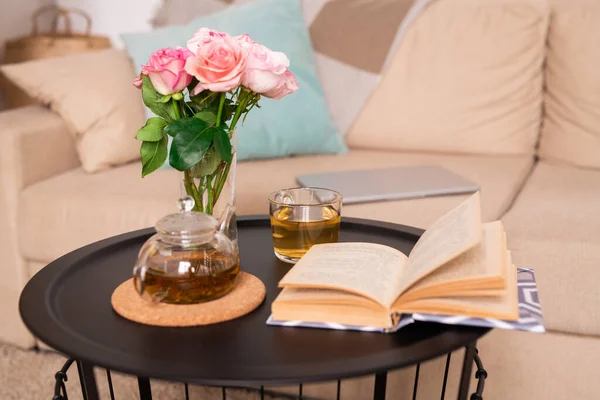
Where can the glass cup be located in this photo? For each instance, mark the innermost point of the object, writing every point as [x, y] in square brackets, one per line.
[301, 218]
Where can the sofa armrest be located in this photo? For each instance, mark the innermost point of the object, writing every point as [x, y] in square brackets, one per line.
[39, 143]
[34, 145]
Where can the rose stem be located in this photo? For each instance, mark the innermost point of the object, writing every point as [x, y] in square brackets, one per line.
[220, 112]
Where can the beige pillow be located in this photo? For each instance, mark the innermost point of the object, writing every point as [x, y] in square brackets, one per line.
[466, 78]
[571, 131]
[93, 93]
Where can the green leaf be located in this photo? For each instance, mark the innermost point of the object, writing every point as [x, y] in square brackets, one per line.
[153, 155]
[207, 116]
[208, 165]
[185, 124]
[223, 145]
[164, 99]
[151, 99]
[192, 139]
[152, 131]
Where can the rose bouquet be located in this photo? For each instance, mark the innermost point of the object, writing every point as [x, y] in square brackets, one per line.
[224, 78]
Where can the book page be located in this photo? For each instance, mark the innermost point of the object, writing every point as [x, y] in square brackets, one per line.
[323, 297]
[504, 307]
[333, 314]
[483, 263]
[454, 233]
[371, 270]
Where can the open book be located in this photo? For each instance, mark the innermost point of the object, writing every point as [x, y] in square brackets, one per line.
[459, 266]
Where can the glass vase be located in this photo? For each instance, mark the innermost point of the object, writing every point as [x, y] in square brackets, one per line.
[211, 183]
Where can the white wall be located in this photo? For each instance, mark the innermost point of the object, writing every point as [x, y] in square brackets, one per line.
[15, 21]
[113, 17]
[15, 18]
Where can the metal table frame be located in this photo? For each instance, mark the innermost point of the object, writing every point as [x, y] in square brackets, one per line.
[89, 387]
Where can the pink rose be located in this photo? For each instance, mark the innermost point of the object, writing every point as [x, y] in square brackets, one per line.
[286, 86]
[138, 82]
[264, 68]
[219, 61]
[166, 71]
[245, 41]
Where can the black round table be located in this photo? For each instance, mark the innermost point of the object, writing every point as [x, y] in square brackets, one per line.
[67, 305]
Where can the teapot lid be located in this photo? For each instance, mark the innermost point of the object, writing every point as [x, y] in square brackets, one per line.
[187, 225]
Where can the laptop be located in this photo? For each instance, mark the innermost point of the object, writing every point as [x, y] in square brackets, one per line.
[395, 183]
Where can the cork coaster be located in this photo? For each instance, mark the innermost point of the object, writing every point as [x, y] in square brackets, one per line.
[248, 294]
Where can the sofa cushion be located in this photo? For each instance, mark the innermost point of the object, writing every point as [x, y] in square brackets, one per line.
[550, 366]
[466, 78]
[93, 93]
[554, 228]
[571, 131]
[73, 209]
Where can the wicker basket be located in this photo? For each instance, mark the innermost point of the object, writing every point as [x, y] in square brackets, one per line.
[55, 43]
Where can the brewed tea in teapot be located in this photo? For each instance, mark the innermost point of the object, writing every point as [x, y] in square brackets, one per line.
[189, 260]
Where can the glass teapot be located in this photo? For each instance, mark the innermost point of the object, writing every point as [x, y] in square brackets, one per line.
[189, 260]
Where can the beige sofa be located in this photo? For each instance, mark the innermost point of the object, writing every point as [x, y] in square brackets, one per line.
[538, 172]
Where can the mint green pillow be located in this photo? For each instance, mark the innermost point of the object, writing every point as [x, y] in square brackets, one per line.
[297, 124]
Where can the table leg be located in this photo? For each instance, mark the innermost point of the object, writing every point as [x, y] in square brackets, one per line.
[446, 376]
[416, 385]
[380, 386]
[467, 368]
[87, 381]
[144, 387]
[110, 385]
